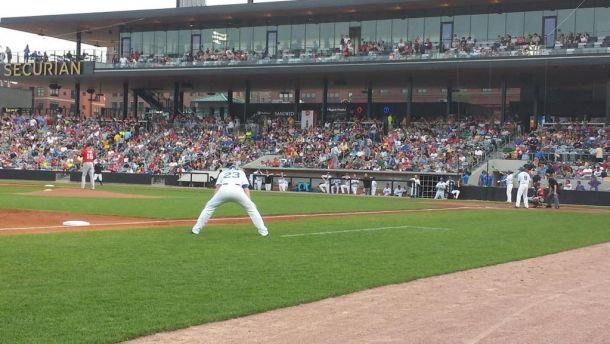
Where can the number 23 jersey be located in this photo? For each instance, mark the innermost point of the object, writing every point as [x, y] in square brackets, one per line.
[233, 177]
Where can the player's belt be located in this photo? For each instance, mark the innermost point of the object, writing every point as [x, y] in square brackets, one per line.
[230, 184]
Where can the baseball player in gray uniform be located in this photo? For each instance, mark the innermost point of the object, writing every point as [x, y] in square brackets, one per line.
[231, 186]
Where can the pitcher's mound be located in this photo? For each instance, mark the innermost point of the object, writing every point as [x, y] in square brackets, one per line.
[84, 193]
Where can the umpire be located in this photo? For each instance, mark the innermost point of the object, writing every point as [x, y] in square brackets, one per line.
[97, 170]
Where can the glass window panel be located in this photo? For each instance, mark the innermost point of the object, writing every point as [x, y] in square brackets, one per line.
[461, 26]
[160, 42]
[478, 27]
[233, 38]
[298, 37]
[173, 38]
[283, 37]
[433, 29]
[566, 21]
[206, 38]
[399, 30]
[584, 20]
[602, 22]
[533, 23]
[313, 36]
[185, 42]
[125, 45]
[514, 23]
[327, 35]
[260, 39]
[497, 26]
[416, 28]
[384, 31]
[368, 31]
[245, 38]
[341, 30]
[148, 43]
[136, 41]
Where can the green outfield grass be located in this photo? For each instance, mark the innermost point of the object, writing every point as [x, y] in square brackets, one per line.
[103, 287]
[181, 203]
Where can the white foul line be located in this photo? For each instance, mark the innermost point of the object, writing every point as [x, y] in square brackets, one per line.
[362, 230]
[288, 216]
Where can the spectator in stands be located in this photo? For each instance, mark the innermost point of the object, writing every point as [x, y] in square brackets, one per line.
[579, 186]
[594, 184]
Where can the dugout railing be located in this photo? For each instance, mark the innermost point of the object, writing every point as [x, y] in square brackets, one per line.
[310, 180]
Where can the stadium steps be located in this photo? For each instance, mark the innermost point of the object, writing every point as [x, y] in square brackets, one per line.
[258, 163]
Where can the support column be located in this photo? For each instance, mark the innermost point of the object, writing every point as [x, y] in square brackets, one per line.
[608, 100]
[125, 100]
[77, 99]
[135, 104]
[369, 101]
[78, 47]
[230, 102]
[247, 100]
[297, 101]
[449, 100]
[536, 107]
[504, 90]
[409, 100]
[176, 99]
[324, 102]
[181, 101]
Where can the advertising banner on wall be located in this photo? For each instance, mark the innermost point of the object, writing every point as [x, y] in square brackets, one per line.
[308, 119]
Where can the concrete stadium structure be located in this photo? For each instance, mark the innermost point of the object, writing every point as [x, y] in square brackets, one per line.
[530, 59]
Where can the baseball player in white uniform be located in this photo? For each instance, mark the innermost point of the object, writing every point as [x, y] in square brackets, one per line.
[440, 190]
[373, 187]
[524, 179]
[387, 191]
[258, 180]
[282, 183]
[231, 186]
[325, 185]
[354, 183]
[345, 184]
[509, 186]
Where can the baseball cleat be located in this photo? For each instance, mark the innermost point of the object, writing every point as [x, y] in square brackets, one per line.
[264, 233]
[193, 231]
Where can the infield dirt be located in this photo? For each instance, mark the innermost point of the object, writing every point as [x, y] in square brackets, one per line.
[560, 298]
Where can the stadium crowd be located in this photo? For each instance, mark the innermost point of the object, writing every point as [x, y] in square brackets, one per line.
[434, 146]
[52, 142]
[567, 152]
[507, 45]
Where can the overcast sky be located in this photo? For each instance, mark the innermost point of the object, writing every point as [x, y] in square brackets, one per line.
[17, 40]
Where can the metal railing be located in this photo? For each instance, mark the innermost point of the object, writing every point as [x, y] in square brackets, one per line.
[301, 183]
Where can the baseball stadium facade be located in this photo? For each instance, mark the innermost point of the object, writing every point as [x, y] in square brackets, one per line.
[526, 59]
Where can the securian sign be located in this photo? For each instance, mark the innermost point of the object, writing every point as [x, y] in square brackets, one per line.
[42, 69]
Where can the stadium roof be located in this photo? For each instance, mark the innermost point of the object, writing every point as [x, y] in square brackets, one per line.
[102, 28]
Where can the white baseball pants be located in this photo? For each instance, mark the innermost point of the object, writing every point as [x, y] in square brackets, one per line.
[344, 189]
[283, 187]
[87, 170]
[230, 193]
[324, 187]
[522, 193]
[509, 193]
